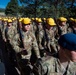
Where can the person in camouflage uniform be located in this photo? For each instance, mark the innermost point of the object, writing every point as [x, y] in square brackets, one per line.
[51, 31]
[62, 63]
[62, 26]
[24, 46]
[20, 23]
[40, 34]
[15, 22]
[72, 27]
[8, 35]
[34, 26]
[4, 22]
[9, 31]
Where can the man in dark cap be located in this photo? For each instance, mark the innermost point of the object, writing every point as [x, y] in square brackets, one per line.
[62, 63]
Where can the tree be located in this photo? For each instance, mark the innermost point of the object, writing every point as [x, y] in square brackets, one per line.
[12, 8]
[49, 8]
[31, 6]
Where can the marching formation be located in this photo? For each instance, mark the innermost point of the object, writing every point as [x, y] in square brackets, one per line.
[40, 46]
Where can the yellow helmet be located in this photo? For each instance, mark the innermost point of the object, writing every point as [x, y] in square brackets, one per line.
[36, 18]
[5, 19]
[33, 18]
[51, 22]
[71, 19]
[62, 19]
[26, 21]
[20, 20]
[13, 19]
[44, 19]
[39, 20]
[9, 20]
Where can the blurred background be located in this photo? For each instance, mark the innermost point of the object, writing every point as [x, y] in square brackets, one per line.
[38, 8]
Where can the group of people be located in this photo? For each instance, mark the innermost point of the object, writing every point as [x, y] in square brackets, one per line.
[40, 46]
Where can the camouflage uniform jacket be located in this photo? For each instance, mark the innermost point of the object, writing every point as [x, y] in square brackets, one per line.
[40, 36]
[51, 66]
[15, 24]
[41, 30]
[71, 30]
[34, 27]
[29, 43]
[3, 31]
[63, 29]
[50, 39]
[51, 34]
[9, 33]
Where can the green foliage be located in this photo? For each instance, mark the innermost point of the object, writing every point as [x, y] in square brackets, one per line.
[49, 8]
[12, 8]
[42, 8]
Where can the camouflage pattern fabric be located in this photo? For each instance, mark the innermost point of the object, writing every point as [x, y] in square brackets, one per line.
[29, 42]
[51, 66]
[51, 41]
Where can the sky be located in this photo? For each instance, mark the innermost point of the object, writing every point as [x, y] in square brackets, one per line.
[3, 3]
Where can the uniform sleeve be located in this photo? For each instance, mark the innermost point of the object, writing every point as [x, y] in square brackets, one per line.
[35, 47]
[15, 44]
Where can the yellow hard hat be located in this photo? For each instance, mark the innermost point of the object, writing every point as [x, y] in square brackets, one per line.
[33, 18]
[71, 19]
[9, 20]
[62, 19]
[26, 21]
[20, 20]
[5, 19]
[44, 19]
[39, 20]
[36, 19]
[51, 22]
[13, 19]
